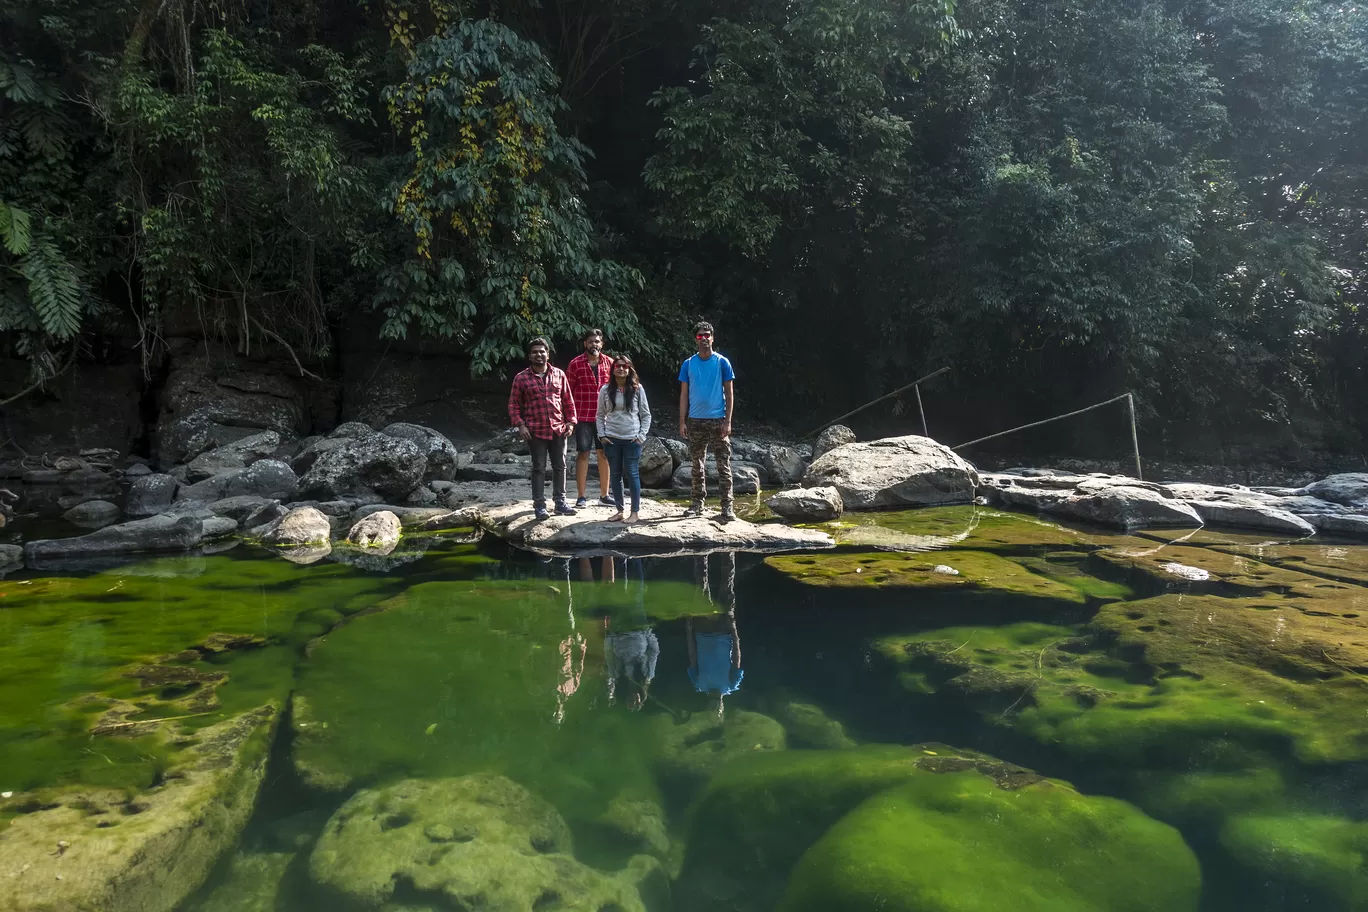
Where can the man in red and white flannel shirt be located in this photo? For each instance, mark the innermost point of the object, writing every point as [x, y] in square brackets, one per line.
[542, 408]
[588, 372]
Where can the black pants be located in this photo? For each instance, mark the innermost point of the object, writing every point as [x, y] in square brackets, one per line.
[540, 449]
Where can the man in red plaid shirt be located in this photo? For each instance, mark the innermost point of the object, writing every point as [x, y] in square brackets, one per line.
[588, 372]
[542, 408]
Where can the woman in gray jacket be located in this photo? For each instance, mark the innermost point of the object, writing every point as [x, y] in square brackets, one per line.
[624, 420]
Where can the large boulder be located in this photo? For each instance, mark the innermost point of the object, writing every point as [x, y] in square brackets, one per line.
[209, 403]
[474, 842]
[107, 849]
[92, 514]
[896, 471]
[838, 435]
[440, 453]
[149, 495]
[807, 504]
[1349, 489]
[784, 465]
[234, 456]
[1124, 503]
[390, 467]
[380, 529]
[657, 465]
[300, 526]
[156, 533]
[267, 478]
[745, 477]
[693, 751]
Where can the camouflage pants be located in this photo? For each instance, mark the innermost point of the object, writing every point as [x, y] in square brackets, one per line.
[706, 434]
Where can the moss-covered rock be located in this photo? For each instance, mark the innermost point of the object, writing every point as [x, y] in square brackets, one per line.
[1325, 856]
[250, 883]
[478, 841]
[112, 850]
[691, 751]
[1041, 847]
[810, 726]
[955, 571]
[1225, 571]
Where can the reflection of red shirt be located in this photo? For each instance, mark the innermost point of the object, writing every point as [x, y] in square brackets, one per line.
[543, 403]
[586, 386]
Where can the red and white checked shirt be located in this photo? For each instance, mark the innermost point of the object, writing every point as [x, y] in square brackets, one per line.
[585, 386]
[544, 403]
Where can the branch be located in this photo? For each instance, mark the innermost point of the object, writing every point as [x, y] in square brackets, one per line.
[71, 359]
[303, 372]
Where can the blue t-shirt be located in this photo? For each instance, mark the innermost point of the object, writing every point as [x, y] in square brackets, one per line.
[714, 671]
[705, 379]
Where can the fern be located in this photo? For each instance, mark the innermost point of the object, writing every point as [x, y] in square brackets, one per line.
[54, 288]
[14, 229]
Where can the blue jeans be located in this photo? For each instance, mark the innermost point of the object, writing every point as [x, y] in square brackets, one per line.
[624, 464]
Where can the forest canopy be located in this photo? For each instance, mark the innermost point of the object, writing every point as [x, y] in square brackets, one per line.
[1057, 197]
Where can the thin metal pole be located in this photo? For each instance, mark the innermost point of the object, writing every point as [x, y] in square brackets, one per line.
[917, 387]
[1135, 440]
[1039, 423]
[874, 402]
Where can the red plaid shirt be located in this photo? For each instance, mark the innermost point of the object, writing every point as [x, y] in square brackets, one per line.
[543, 403]
[585, 387]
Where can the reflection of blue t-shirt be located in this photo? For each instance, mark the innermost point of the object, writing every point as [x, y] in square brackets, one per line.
[705, 379]
[715, 671]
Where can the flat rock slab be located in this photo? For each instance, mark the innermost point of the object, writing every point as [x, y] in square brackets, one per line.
[663, 529]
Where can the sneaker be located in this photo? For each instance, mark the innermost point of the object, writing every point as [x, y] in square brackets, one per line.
[694, 510]
[607, 501]
[581, 503]
[564, 509]
[541, 513]
[726, 515]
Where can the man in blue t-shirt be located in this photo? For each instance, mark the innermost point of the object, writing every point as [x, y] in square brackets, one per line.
[706, 405]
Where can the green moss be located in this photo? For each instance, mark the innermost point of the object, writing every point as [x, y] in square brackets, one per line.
[1043, 847]
[1345, 563]
[1203, 799]
[976, 571]
[1325, 856]
[969, 527]
[1227, 572]
[1067, 568]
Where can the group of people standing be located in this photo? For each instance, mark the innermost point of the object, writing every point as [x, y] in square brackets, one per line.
[600, 401]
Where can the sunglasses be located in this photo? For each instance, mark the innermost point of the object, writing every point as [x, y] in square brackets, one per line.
[703, 336]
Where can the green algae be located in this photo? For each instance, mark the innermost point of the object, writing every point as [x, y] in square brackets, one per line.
[1042, 847]
[967, 571]
[1228, 571]
[1345, 563]
[969, 527]
[1326, 856]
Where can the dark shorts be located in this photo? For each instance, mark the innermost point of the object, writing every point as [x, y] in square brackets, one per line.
[586, 437]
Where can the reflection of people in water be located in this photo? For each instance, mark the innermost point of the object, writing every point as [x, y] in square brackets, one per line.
[572, 652]
[630, 647]
[714, 645]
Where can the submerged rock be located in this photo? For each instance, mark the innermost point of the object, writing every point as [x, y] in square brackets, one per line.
[479, 841]
[107, 850]
[1317, 854]
[92, 514]
[693, 750]
[879, 828]
[895, 471]
[807, 504]
[251, 883]
[809, 726]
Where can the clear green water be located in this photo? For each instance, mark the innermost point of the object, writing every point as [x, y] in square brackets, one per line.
[1064, 722]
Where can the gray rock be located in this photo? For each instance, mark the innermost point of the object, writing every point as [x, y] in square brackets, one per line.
[679, 450]
[1124, 504]
[745, 477]
[329, 508]
[93, 514]
[784, 465]
[137, 470]
[422, 517]
[657, 465]
[1347, 524]
[157, 533]
[508, 442]
[352, 429]
[477, 842]
[663, 530]
[441, 454]
[1249, 515]
[1349, 489]
[150, 494]
[308, 455]
[376, 530]
[236, 455]
[219, 527]
[807, 504]
[11, 555]
[305, 554]
[837, 435]
[264, 478]
[210, 403]
[488, 471]
[389, 466]
[240, 507]
[421, 496]
[300, 526]
[257, 521]
[895, 471]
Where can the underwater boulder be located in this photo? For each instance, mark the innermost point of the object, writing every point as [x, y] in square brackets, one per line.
[1318, 858]
[692, 750]
[809, 726]
[478, 841]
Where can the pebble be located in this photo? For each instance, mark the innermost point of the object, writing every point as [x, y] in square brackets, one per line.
[6, 794]
[942, 568]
